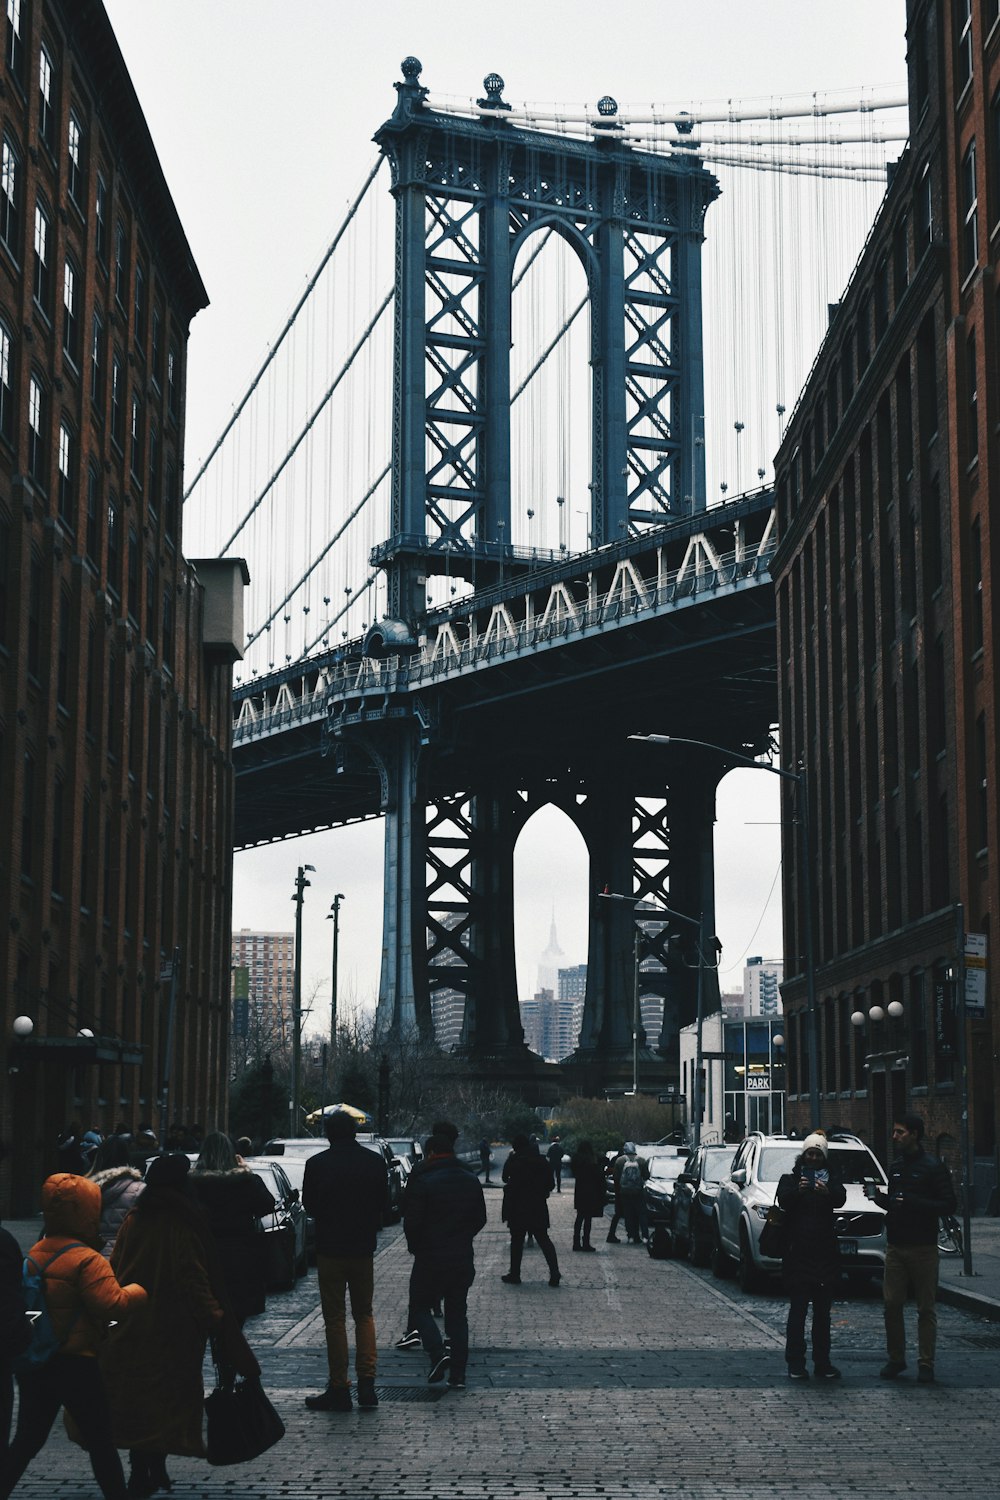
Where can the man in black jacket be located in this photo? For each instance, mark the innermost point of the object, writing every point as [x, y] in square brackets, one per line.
[920, 1191]
[443, 1211]
[346, 1190]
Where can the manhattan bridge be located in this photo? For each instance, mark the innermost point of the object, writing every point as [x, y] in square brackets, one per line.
[493, 531]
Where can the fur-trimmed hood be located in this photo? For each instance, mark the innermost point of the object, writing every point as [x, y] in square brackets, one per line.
[111, 1174]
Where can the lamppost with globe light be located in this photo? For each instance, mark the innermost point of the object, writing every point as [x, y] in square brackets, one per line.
[798, 778]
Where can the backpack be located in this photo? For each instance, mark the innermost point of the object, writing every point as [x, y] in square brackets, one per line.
[44, 1342]
[630, 1181]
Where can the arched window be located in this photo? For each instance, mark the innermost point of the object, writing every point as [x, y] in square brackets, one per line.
[74, 159]
[67, 474]
[42, 278]
[71, 312]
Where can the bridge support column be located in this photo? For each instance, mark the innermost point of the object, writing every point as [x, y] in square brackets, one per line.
[492, 1015]
[691, 891]
[609, 1002]
[403, 999]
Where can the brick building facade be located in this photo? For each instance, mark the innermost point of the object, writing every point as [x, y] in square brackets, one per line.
[886, 483]
[115, 720]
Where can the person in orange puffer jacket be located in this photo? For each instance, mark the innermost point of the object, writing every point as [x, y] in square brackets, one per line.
[83, 1296]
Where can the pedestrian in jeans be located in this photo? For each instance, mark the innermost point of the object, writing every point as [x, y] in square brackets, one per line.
[809, 1195]
[82, 1296]
[346, 1190]
[529, 1181]
[443, 1211]
[920, 1191]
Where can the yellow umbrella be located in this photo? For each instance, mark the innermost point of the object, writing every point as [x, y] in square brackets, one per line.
[319, 1115]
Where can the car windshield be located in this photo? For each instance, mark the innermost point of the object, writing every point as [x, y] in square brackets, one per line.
[716, 1165]
[666, 1166]
[851, 1166]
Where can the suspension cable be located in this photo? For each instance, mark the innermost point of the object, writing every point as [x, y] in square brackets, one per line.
[352, 210]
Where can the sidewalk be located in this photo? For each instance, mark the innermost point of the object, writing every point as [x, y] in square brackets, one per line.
[979, 1293]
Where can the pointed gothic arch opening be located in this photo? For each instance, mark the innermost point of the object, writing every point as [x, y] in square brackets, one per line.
[551, 899]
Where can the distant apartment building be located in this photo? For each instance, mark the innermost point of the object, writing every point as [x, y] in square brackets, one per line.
[551, 1025]
[447, 1017]
[269, 958]
[761, 986]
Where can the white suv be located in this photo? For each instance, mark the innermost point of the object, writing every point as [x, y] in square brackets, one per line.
[748, 1192]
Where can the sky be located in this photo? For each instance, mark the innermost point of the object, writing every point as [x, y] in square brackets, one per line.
[262, 112]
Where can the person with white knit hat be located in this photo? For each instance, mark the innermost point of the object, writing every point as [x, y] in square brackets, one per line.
[810, 1195]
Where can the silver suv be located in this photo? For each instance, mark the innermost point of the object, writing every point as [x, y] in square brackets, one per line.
[746, 1194]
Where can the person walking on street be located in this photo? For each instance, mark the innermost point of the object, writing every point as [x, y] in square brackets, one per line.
[120, 1184]
[346, 1190]
[588, 1194]
[528, 1179]
[485, 1159]
[82, 1296]
[555, 1159]
[234, 1200]
[443, 1211]
[444, 1130]
[920, 1191]
[628, 1173]
[809, 1195]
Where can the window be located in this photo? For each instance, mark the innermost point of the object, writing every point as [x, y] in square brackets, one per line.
[138, 443]
[117, 402]
[173, 378]
[167, 641]
[982, 820]
[972, 401]
[121, 270]
[74, 158]
[34, 615]
[970, 203]
[995, 143]
[156, 352]
[71, 313]
[6, 389]
[151, 601]
[93, 513]
[963, 45]
[170, 508]
[140, 306]
[43, 272]
[101, 220]
[114, 547]
[37, 449]
[4, 575]
[10, 200]
[97, 364]
[46, 114]
[976, 579]
[90, 697]
[67, 476]
[133, 574]
[15, 39]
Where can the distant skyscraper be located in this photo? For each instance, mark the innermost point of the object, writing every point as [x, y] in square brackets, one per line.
[761, 979]
[270, 959]
[548, 964]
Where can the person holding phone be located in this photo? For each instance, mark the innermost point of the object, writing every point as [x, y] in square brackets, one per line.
[809, 1195]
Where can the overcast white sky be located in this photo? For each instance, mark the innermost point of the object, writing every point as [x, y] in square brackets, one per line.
[262, 112]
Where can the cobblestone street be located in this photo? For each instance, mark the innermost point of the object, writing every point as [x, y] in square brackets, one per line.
[635, 1378]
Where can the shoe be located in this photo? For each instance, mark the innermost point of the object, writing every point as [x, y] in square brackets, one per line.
[439, 1369]
[613, 1239]
[591, 1248]
[159, 1479]
[827, 1372]
[892, 1369]
[446, 1345]
[577, 1247]
[367, 1397]
[334, 1398]
[555, 1280]
[925, 1374]
[409, 1340]
[456, 1382]
[511, 1280]
[798, 1372]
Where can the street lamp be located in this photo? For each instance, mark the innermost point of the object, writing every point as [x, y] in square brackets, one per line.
[798, 778]
[654, 909]
[298, 897]
[333, 915]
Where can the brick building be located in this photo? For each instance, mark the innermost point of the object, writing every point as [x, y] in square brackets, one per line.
[115, 653]
[887, 482]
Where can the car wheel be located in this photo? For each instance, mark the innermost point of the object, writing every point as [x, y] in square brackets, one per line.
[719, 1258]
[747, 1274]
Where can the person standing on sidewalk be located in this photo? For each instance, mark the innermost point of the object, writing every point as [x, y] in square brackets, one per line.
[346, 1190]
[528, 1177]
[920, 1191]
[443, 1211]
[554, 1156]
[809, 1195]
[588, 1194]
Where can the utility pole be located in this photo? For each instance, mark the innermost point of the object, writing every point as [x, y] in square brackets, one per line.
[334, 916]
[301, 883]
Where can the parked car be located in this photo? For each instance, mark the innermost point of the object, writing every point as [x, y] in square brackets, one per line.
[284, 1230]
[407, 1150]
[693, 1201]
[658, 1189]
[746, 1194]
[291, 1147]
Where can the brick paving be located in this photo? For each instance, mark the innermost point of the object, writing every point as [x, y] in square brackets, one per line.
[634, 1379]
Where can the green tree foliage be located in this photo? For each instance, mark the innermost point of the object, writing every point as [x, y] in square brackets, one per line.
[606, 1123]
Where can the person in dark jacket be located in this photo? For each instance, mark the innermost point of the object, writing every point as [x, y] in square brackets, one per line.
[588, 1193]
[809, 1195]
[233, 1200]
[529, 1181]
[443, 1211]
[15, 1328]
[920, 1191]
[346, 1190]
[121, 1186]
[554, 1157]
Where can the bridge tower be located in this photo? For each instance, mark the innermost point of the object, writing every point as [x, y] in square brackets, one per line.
[468, 193]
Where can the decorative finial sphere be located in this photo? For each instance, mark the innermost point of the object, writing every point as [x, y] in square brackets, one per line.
[607, 106]
[493, 84]
[684, 126]
[410, 68]
[23, 1026]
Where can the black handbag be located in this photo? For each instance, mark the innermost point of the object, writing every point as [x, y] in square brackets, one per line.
[242, 1423]
[774, 1235]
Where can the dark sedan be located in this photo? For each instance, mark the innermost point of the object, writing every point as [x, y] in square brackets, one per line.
[695, 1192]
[284, 1230]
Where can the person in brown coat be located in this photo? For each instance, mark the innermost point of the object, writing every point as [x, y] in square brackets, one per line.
[153, 1364]
[234, 1199]
[82, 1296]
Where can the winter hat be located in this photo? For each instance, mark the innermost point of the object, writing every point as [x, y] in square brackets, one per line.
[167, 1171]
[816, 1142]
